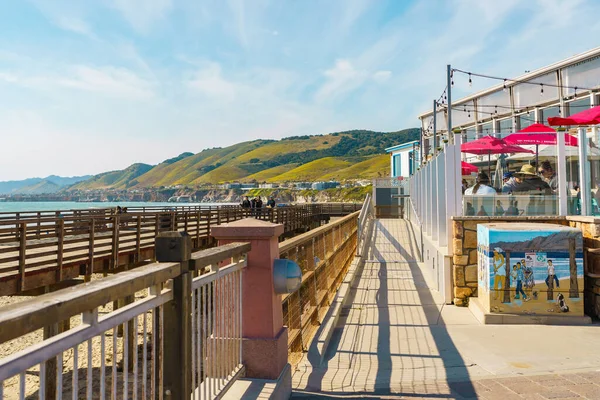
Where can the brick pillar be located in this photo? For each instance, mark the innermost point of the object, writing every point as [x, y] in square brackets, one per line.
[265, 338]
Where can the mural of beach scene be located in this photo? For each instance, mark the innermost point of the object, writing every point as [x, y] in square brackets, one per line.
[529, 268]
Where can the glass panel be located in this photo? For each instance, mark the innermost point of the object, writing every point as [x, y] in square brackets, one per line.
[471, 134]
[524, 120]
[549, 112]
[505, 126]
[584, 75]
[487, 106]
[526, 95]
[486, 129]
[510, 205]
[576, 106]
[463, 114]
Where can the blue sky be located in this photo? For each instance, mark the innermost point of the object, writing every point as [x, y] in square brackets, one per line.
[89, 86]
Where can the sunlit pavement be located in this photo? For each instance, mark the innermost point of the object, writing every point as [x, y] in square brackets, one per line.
[398, 340]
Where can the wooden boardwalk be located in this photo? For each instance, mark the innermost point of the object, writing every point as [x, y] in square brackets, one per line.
[396, 338]
[40, 249]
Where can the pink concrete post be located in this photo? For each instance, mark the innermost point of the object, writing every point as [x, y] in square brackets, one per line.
[264, 336]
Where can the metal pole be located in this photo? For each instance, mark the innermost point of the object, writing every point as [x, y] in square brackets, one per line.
[449, 90]
[435, 141]
[562, 173]
[584, 173]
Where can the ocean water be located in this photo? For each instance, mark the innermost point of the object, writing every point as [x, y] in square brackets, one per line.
[22, 206]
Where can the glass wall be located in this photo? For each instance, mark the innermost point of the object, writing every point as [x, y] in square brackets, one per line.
[575, 106]
[526, 95]
[505, 126]
[524, 120]
[585, 74]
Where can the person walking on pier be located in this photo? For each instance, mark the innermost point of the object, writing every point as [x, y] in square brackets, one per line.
[246, 202]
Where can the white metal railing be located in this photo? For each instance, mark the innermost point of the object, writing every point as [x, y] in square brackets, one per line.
[217, 311]
[364, 219]
[130, 351]
[87, 349]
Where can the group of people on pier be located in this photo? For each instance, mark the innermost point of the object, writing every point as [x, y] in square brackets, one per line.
[256, 204]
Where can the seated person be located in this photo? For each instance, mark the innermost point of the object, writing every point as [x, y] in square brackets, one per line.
[548, 175]
[482, 186]
[527, 182]
[509, 182]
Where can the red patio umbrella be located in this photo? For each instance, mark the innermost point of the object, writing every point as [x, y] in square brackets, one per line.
[585, 117]
[538, 134]
[490, 145]
[467, 168]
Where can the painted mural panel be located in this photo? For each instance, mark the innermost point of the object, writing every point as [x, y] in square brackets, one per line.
[530, 268]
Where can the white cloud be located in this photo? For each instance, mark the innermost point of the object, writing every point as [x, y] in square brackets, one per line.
[112, 81]
[210, 82]
[142, 15]
[341, 79]
[382, 76]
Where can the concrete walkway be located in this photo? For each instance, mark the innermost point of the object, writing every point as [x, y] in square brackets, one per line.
[397, 339]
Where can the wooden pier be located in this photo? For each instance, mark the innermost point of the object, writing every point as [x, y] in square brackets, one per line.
[41, 251]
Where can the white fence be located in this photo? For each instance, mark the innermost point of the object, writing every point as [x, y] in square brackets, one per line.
[435, 193]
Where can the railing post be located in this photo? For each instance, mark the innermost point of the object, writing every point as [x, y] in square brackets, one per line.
[265, 339]
[22, 253]
[177, 326]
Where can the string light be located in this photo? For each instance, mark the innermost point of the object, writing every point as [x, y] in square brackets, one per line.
[575, 95]
[515, 80]
[470, 81]
[542, 89]
[504, 86]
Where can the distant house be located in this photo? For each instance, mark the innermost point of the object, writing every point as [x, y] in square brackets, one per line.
[403, 158]
[324, 185]
[248, 186]
[235, 185]
[268, 186]
[302, 185]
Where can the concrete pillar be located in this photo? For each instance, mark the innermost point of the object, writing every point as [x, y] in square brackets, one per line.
[264, 348]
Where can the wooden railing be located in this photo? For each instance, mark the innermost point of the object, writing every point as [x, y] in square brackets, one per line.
[324, 255]
[164, 341]
[43, 248]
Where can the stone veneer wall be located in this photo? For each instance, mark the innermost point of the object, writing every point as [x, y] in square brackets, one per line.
[464, 268]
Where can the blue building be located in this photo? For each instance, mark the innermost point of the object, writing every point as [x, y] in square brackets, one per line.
[404, 159]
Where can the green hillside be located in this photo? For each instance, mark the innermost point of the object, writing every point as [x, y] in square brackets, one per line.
[312, 171]
[357, 154]
[372, 167]
[269, 173]
[122, 179]
[42, 187]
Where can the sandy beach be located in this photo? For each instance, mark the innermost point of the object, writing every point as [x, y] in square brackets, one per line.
[538, 303]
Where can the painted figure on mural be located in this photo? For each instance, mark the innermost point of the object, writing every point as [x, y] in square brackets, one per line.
[519, 278]
[533, 269]
[499, 272]
[551, 275]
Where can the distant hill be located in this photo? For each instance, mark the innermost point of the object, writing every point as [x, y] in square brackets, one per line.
[357, 154]
[50, 184]
[122, 179]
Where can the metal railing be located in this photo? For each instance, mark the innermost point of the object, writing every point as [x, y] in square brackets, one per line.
[365, 218]
[129, 333]
[324, 255]
[38, 251]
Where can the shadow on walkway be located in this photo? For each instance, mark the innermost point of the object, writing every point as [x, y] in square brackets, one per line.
[390, 275]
